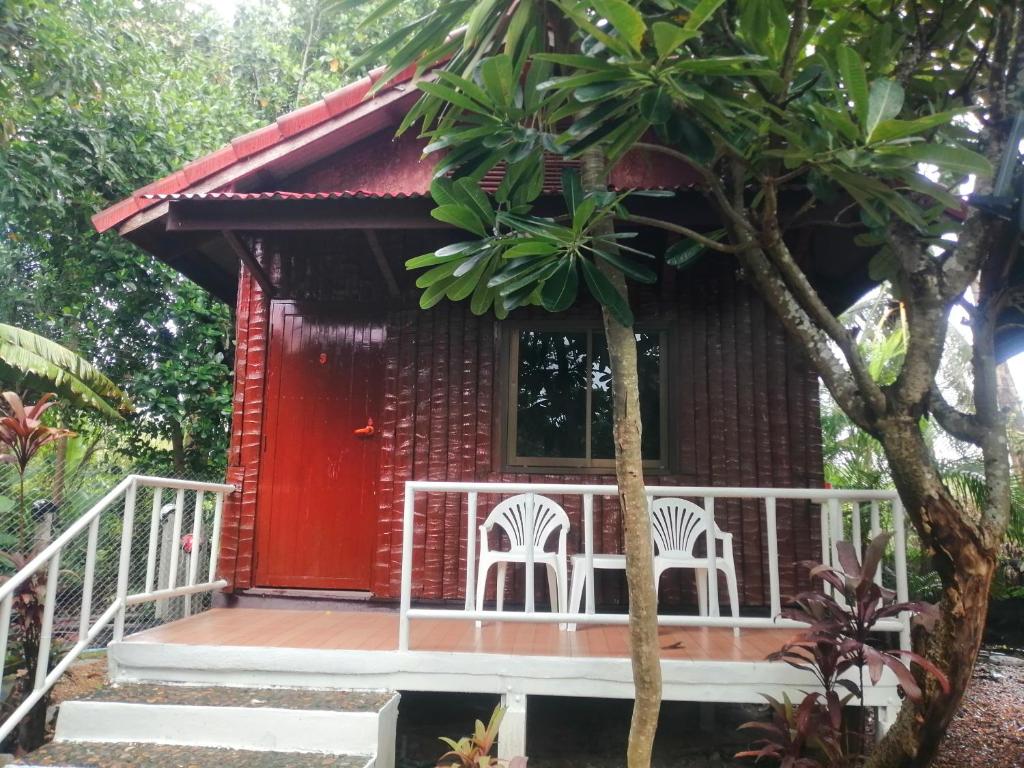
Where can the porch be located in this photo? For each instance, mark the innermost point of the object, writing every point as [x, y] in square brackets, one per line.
[527, 649]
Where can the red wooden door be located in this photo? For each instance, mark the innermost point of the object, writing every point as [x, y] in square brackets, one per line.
[316, 510]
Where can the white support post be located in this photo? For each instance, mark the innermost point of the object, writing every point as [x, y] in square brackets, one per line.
[193, 555]
[5, 622]
[406, 595]
[218, 514]
[900, 544]
[471, 503]
[127, 527]
[512, 733]
[712, 557]
[46, 630]
[826, 533]
[179, 511]
[774, 590]
[154, 534]
[858, 544]
[588, 549]
[835, 516]
[531, 521]
[876, 528]
[85, 620]
[886, 719]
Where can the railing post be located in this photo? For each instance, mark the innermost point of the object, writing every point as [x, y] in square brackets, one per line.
[87, 582]
[179, 511]
[124, 563]
[876, 528]
[712, 556]
[5, 623]
[858, 543]
[154, 534]
[471, 551]
[406, 595]
[218, 513]
[775, 596]
[835, 514]
[900, 544]
[46, 630]
[193, 555]
[531, 521]
[588, 548]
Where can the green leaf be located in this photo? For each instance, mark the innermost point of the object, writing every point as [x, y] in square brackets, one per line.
[482, 11]
[572, 189]
[559, 291]
[949, 158]
[498, 78]
[452, 96]
[581, 216]
[470, 195]
[855, 78]
[684, 253]
[606, 293]
[629, 268]
[890, 130]
[626, 20]
[656, 105]
[884, 103]
[459, 216]
[668, 37]
[705, 10]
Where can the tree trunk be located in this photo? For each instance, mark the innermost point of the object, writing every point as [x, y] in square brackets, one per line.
[1009, 401]
[178, 448]
[966, 567]
[643, 600]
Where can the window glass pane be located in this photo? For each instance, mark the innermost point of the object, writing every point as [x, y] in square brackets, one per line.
[602, 443]
[551, 396]
[649, 371]
[648, 363]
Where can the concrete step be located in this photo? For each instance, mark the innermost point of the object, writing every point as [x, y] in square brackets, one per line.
[69, 754]
[271, 720]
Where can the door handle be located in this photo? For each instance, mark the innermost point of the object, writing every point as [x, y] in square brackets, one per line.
[367, 431]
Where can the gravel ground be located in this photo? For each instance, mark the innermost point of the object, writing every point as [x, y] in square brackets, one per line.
[988, 732]
[164, 756]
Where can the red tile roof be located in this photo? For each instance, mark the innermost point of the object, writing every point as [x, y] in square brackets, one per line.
[280, 195]
[286, 126]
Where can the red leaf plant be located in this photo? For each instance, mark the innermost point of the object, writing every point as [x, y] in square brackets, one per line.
[840, 639]
[22, 432]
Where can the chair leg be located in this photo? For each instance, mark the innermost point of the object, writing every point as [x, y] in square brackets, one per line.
[502, 568]
[734, 598]
[579, 578]
[481, 588]
[553, 588]
[700, 576]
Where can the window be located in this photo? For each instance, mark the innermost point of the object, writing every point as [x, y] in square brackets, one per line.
[560, 399]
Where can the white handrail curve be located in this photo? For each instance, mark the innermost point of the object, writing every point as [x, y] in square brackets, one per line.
[50, 558]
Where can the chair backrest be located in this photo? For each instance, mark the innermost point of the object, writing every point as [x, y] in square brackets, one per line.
[511, 516]
[677, 525]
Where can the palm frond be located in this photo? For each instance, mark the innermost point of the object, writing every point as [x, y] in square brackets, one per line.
[28, 356]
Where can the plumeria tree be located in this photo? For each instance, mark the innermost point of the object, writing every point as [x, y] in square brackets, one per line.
[858, 119]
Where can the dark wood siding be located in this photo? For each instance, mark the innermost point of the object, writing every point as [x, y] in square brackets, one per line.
[744, 411]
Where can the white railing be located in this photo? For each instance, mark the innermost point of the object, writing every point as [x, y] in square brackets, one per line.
[123, 496]
[841, 512]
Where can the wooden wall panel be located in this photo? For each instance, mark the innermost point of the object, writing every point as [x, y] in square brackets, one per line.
[744, 408]
[745, 415]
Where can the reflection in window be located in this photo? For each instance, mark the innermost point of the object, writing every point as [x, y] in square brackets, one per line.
[563, 397]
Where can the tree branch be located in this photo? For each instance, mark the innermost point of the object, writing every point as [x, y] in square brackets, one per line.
[668, 226]
[962, 426]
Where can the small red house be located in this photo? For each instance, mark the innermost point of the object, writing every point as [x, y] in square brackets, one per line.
[369, 437]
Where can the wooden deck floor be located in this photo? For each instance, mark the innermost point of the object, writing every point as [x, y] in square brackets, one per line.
[378, 631]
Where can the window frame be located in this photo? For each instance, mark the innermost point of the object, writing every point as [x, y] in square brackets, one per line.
[509, 412]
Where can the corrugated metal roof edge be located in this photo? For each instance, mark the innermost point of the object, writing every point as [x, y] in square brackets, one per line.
[242, 147]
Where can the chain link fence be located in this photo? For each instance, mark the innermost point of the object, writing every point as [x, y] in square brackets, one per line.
[165, 543]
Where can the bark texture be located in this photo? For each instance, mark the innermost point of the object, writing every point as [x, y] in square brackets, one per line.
[643, 601]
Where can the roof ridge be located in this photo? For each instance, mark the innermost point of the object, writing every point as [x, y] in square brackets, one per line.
[242, 147]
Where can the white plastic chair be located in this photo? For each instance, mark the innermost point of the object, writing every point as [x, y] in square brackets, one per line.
[677, 525]
[511, 516]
